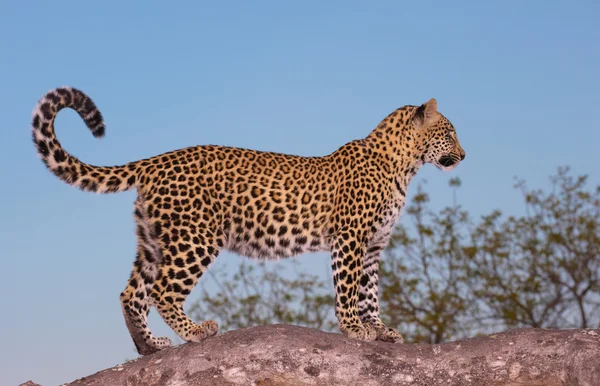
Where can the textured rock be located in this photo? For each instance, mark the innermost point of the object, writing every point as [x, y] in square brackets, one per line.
[292, 355]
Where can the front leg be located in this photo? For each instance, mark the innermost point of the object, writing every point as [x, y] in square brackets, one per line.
[368, 297]
[347, 258]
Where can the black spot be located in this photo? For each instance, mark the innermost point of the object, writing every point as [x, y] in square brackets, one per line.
[36, 121]
[282, 230]
[364, 280]
[301, 240]
[42, 148]
[352, 245]
[44, 129]
[59, 155]
[45, 109]
[179, 262]
[157, 229]
[352, 267]
[206, 261]
[191, 258]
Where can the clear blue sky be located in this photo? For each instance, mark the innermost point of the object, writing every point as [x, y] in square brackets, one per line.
[519, 80]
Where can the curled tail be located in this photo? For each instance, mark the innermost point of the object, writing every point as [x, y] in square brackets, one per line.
[65, 166]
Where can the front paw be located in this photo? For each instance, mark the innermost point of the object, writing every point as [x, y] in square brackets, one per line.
[385, 333]
[358, 331]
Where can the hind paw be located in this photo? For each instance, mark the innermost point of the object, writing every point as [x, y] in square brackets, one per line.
[154, 345]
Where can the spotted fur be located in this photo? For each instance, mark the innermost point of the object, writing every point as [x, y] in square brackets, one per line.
[194, 202]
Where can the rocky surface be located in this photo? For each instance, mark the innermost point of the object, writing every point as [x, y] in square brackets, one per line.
[292, 355]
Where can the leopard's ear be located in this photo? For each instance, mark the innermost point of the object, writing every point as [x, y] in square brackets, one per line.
[426, 114]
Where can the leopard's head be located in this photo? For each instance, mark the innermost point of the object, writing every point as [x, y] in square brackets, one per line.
[437, 137]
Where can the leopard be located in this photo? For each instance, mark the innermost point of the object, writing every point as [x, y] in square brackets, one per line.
[195, 202]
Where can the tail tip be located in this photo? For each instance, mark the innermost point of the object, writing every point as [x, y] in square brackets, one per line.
[99, 130]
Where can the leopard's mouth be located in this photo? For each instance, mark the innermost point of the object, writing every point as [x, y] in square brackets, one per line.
[447, 161]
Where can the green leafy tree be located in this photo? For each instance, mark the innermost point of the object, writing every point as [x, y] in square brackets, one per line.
[541, 269]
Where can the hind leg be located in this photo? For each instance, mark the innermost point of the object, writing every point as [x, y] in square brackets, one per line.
[135, 299]
[135, 303]
[185, 260]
